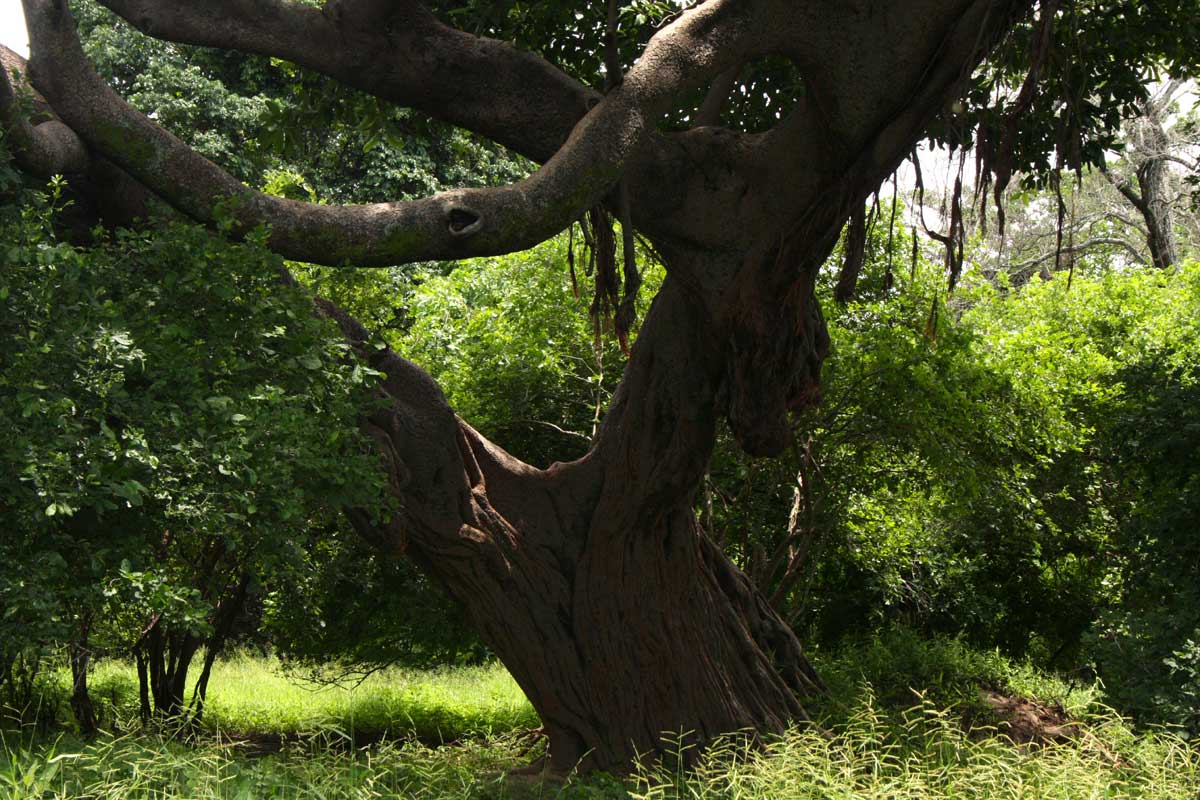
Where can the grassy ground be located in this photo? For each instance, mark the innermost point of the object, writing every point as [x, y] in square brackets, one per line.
[253, 696]
[894, 728]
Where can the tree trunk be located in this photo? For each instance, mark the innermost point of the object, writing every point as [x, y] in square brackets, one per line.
[227, 613]
[1154, 181]
[587, 579]
[80, 654]
[1152, 147]
[163, 660]
[143, 684]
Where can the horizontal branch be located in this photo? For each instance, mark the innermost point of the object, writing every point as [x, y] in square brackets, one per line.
[455, 224]
[1081, 247]
[394, 50]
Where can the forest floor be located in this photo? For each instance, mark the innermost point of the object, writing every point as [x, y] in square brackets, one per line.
[905, 719]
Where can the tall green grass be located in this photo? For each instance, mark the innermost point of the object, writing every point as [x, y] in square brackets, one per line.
[253, 695]
[136, 767]
[895, 728]
[929, 755]
[869, 757]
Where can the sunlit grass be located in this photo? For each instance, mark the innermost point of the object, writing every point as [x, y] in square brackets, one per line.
[901, 668]
[894, 729]
[250, 694]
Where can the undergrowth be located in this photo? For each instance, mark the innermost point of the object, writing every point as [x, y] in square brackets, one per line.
[894, 728]
[899, 668]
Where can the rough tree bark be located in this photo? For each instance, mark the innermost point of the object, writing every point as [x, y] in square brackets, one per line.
[1151, 148]
[591, 580]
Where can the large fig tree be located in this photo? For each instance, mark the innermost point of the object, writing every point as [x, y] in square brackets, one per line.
[591, 580]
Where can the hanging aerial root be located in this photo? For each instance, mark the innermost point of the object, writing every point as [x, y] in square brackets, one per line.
[999, 156]
[853, 256]
[776, 349]
[614, 294]
[627, 310]
[955, 237]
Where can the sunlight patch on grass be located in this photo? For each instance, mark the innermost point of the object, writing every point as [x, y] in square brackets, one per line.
[253, 695]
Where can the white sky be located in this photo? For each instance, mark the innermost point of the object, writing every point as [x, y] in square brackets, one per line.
[12, 27]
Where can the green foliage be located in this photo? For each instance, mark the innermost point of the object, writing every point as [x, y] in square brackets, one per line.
[1019, 468]
[514, 349]
[253, 115]
[1013, 466]
[1088, 79]
[1120, 353]
[298, 134]
[342, 602]
[159, 394]
[917, 503]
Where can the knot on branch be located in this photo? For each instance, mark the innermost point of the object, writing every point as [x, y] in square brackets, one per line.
[464, 221]
[773, 367]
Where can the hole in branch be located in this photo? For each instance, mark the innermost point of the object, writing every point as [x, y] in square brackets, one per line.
[464, 221]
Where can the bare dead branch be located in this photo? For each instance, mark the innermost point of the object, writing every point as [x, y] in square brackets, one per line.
[1081, 247]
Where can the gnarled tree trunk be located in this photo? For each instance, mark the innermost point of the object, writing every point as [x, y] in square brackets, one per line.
[591, 580]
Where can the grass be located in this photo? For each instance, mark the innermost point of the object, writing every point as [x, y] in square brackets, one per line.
[893, 730]
[438, 706]
[253, 695]
[899, 668]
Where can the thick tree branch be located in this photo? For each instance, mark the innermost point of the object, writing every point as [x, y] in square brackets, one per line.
[455, 224]
[1126, 189]
[397, 51]
[817, 168]
[45, 149]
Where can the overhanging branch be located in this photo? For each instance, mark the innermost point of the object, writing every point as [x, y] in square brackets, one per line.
[395, 50]
[455, 224]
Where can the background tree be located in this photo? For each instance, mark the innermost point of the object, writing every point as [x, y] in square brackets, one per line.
[164, 470]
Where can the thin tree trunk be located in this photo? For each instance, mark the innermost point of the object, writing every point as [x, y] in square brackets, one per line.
[227, 613]
[80, 654]
[143, 684]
